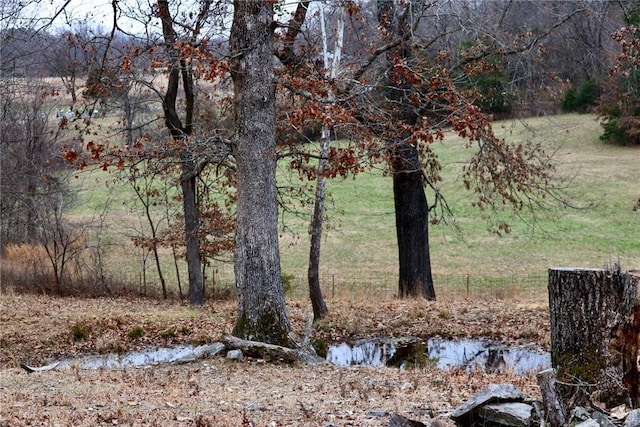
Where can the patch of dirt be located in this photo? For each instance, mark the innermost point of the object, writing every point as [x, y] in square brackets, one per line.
[37, 330]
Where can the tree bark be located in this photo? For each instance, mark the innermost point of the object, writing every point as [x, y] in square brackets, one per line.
[315, 229]
[191, 225]
[313, 274]
[412, 225]
[261, 314]
[595, 325]
[553, 407]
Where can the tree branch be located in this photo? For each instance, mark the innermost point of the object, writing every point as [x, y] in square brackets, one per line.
[286, 55]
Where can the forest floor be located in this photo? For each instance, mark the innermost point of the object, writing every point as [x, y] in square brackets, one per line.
[218, 392]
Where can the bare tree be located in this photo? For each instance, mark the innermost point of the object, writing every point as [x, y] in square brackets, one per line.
[63, 242]
[72, 54]
[180, 131]
[332, 67]
[27, 171]
[142, 184]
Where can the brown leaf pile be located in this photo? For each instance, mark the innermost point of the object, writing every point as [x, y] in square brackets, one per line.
[217, 392]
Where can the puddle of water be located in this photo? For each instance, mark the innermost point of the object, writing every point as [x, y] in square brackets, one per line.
[401, 352]
[445, 354]
[182, 353]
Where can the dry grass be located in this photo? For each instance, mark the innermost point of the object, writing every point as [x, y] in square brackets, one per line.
[218, 392]
[221, 393]
[24, 265]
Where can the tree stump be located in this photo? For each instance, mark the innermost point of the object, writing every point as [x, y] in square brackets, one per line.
[594, 334]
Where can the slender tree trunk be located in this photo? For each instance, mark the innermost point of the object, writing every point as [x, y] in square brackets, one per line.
[180, 132]
[177, 270]
[315, 291]
[143, 197]
[261, 314]
[191, 225]
[313, 275]
[129, 113]
[156, 257]
[156, 254]
[174, 252]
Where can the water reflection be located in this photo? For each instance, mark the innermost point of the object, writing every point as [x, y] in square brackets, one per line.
[368, 353]
[445, 354]
[489, 357]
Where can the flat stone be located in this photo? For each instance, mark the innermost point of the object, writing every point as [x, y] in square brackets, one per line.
[400, 421]
[602, 419]
[580, 413]
[208, 350]
[633, 419]
[515, 414]
[234, 354]
[492, 393]
[588, 423]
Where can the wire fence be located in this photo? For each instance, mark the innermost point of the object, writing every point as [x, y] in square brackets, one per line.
[220, 283]
[465, 285]
[338, 285]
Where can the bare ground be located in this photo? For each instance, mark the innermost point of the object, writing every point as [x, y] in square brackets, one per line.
[218, 392]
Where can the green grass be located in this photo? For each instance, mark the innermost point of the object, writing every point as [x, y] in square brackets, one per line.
[97, 190]
[602, 180]
[359, 251]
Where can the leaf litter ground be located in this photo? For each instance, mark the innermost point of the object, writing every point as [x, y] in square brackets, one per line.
[217, 392]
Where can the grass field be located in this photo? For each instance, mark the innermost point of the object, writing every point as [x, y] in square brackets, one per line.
[359, 249]
[602, 181]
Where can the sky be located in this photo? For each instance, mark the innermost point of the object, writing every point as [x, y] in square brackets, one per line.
[96, 13]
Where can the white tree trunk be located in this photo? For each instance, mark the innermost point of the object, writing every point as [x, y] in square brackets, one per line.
[315, 230]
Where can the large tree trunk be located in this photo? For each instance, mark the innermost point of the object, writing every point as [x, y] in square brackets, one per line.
[595, 325]
[412, 220]
[261, 312]
[412, 225]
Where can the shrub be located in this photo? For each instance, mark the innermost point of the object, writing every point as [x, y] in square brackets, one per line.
[25, 267]
[583, 99]
[620, 103]
[136, 332]
[168, 333]
[80, 332]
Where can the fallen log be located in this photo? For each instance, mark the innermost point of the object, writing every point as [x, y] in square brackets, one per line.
[553, 407]
[272, 352]
[31, 369]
